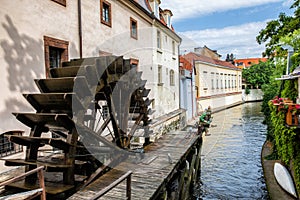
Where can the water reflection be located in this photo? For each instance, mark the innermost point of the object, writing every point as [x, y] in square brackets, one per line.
[231, 164]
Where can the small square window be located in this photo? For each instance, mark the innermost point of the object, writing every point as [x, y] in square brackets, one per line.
[133, 28]
[105, 12]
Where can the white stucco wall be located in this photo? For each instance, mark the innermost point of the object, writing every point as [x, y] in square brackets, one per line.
[215, 93]
[166, 95]
[23, 25]
[219, 103]
[254, 95]
[207, 72]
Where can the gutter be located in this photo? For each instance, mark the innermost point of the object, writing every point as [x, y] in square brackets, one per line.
[79, 28]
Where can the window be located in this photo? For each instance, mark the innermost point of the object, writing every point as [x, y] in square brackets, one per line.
[159, 74]
[212, 80]
[61, 2]
[172, 82]
[221, 83]
[217, 80]
[105, 8]
[55, 57]
[133, 28]
[205, 80]
[56, 52]
[158, 39]
[105, 112]
[173, 47]
[8, 148]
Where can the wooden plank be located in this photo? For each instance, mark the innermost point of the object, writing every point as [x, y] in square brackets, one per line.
[27, 141]
[54, 102]
[51, 188]
[18, 162]
[54, 121]
[64, 71]
[150, 175]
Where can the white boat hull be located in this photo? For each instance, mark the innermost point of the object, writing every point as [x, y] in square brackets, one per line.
[284, 179]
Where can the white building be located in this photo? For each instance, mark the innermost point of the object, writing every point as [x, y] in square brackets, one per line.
[39, 35]
[218, 83]
[36, 36]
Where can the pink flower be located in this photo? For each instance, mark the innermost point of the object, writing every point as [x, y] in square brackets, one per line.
[297, 106]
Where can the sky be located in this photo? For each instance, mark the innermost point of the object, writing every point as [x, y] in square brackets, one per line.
[228, 26]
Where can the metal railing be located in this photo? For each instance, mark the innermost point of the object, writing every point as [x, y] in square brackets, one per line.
[9, 148]
[114, 184]
[39, 192]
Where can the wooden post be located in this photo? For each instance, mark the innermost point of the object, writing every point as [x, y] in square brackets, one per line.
[42, 183]
[128, 187]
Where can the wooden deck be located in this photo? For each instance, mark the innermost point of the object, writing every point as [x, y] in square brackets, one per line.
[150, 174]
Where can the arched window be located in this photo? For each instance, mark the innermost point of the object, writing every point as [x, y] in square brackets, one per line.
[172, 81]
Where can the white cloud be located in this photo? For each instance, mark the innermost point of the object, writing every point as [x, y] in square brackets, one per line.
[288, 3]
[195, 8]
[239, 40]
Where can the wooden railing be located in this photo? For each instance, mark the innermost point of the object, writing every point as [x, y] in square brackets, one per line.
[114, 184]
[38, 192]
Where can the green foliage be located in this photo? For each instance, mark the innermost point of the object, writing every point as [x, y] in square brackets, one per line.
[258, 74]
[247, 90]
[290, 89]
[276, 29]
[283, 31]
[285, 140]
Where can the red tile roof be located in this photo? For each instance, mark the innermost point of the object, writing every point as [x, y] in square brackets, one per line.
[247, 62]
[185, 64]
[191, 57]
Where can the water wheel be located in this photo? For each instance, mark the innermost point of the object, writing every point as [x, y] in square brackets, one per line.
[92, 107]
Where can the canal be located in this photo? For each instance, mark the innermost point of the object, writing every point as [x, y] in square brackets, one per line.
[231, 163]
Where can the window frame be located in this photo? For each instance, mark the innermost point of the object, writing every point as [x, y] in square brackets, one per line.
[57, 43]
[61, 2]
[103, 21]
[172, 77]
[158, 39]
[173, 48]
[159, 75]
[131, 28]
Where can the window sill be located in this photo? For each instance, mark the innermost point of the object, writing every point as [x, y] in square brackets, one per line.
[106, 23]
[159, 50]
[174, 57]
[61, 2]
[160, 84]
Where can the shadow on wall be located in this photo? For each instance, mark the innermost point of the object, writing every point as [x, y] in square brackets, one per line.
[24, 62]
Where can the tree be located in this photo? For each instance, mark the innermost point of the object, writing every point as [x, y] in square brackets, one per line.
[276, 29]
[258, 74]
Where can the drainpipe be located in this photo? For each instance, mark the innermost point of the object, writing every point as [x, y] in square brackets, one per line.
[80, 28]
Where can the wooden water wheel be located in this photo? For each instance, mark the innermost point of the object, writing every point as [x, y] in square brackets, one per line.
[92, 108]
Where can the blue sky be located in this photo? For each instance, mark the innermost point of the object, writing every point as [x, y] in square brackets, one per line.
[228, 26]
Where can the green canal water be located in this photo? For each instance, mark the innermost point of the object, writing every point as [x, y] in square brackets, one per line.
[231, 156]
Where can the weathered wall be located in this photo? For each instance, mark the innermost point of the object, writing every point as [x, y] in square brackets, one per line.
[254, 95]
[219, 103]
[217, 80]
[166, 95]
[23, 25]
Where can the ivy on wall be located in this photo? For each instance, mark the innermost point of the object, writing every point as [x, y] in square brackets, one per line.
[285, 140]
